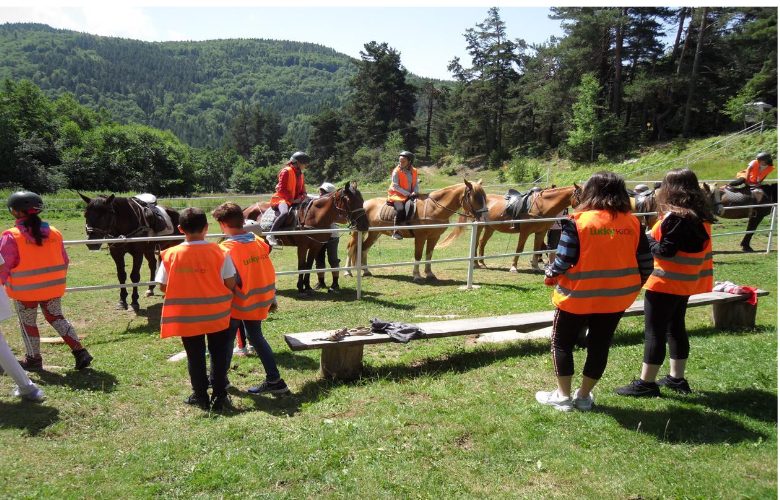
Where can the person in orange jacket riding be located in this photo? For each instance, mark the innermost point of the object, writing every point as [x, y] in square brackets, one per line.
[290, 190]
[403, 186]
[754, 176]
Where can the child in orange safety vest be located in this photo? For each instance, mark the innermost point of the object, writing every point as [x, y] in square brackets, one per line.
[681, 244]
[198, 278]
[601, 262]
[403, 186]
[34, 274]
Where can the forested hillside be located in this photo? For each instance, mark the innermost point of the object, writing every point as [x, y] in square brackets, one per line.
[190, 88]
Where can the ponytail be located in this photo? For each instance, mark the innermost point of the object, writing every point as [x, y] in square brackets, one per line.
[33, 224]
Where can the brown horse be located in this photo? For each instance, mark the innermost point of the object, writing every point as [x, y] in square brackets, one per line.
[345, 205]
[649, 204]
[467, 200]
[547, 203]
[721, 199]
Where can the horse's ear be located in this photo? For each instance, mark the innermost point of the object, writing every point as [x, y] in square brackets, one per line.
[87, 199]
[479, 181]
[468, 184]
[353, 185]
[110, 199]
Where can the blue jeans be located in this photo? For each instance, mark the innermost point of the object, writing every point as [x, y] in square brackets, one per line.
[254, 333]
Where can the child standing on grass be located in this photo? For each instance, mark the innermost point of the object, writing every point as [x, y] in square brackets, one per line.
[197, 279]
[255, 290]
[34, 275]
[601, 263]
[681, 244]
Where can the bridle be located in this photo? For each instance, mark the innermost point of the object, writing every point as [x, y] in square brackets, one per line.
[339, 196]
[465, 203]
[108, 233]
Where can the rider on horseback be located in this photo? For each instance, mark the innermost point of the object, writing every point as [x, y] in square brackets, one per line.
[403, 187]
[289, 190]
[753, 177]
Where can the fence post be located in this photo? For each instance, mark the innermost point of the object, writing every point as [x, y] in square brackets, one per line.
[359, 263]
[771, 228]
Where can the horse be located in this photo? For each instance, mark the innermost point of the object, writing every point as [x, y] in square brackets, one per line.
[345, 205]
[722, 198]
[547, 203]
[117, 217]
[436, 207]
[648, 203]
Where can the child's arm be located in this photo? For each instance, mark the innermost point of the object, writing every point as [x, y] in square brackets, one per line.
[229, 282]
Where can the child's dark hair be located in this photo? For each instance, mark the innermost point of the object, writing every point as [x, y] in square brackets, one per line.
[192, 220]
[33, 224]
[605, 191]
[229, 213]
[681, 194]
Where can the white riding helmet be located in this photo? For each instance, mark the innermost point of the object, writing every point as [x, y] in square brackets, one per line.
[327, 187]
[641, 188]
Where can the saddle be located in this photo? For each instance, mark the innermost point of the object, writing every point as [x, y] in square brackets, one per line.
[387, 213]
[518, 203]
[292, 218]
[642, 198]
[741, 195]
[152, 215]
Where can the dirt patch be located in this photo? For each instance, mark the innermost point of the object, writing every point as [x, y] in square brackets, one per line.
[464, 442]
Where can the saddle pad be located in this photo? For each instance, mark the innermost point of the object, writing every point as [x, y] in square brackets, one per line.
[267, 220]
[387, 214]
[167, 218]
[736, 198]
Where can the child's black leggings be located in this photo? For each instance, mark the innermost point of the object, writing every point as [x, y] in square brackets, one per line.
[665, 322]
[566, 328]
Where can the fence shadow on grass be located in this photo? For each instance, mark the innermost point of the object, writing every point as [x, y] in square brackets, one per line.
[343, 295]
[753, 403]
[31, 417]
[408, 278]
[682, 425]
[87, 380]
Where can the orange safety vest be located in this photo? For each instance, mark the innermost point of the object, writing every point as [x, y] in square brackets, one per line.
[258, 279]
[406, 181]
[294, 186]
[753, 174]
[606, 277]
[40, 274]
[684, 273]
[196, 301]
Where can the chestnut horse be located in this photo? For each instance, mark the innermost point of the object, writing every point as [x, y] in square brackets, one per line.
[547, 203]
[115, 217]
[345, 205]
[467, 200]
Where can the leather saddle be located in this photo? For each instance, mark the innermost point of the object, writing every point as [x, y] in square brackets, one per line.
[518, 203]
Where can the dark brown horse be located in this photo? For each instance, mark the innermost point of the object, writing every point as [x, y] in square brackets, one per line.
[721, 199]
[345, 205]
[116, 217]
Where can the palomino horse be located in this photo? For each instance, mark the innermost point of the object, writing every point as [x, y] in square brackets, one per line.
[345, 205]
[117, 217]
[547, 203]
[437, 207]
[721, 198]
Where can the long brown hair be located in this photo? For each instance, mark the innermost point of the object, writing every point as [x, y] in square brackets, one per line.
[605, 191]
[681, 194]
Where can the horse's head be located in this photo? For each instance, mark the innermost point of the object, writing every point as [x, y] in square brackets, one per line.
[712, 193]
[474, 200]
[100, 217]
[349, 201]
[576, 195]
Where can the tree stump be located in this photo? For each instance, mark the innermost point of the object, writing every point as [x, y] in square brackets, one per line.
[341, 362]
[734, 315]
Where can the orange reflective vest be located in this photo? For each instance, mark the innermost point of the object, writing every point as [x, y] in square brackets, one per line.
[405, 181]
[684, 273]
[289, 187]
[753, 174]
[197, 302]
[40, 274]
[258, 279]
[606, 277]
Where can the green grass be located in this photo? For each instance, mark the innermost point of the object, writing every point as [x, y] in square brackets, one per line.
[442, 418]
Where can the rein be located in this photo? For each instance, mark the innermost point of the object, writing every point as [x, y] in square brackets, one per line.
[462, 203]
[108, 233]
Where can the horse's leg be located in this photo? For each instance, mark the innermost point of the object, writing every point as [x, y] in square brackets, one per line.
[351, 249]
[755, 219]
[135, 277]
[368, 243]
[151, 260]
[419, 243]
[521, 239]
[538, 244]
[429, 246]
[482, 242]
[121, 275]
[311, 254]
[301, 267]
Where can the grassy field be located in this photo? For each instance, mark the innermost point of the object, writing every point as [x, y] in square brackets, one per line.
[437, 418]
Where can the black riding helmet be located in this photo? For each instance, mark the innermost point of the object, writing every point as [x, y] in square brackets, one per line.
[764, 157]
[407, 154]
[300, 157]
[26, 202]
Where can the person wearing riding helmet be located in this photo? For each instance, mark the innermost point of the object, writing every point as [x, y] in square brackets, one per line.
[753, 176]
[330, 248]
[403, 186]
[36, 264]
[290, 190]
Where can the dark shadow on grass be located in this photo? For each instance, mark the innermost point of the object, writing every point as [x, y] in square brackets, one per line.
[344, 295]
[287, 405]
[638, 336]
[682, 425]
[87, 380]
[31, 417]
[408, 278]
[753, 403]
[516, 288]
[294, 361]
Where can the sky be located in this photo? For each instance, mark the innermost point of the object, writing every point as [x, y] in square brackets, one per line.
[427, 38]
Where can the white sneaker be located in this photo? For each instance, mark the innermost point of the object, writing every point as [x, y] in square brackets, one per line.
[239, 351]
[583, 404]
[36, 395]
[250, 350]
[555, 400]
[271, 240]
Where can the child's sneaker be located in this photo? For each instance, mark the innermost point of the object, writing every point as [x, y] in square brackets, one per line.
[219, 403]
[555, 400]
[676, 384]
[583, 404]
[278, 387]
[199, 401]
[240, 351]
[36, 395]
[32, 363]
[83, 358]
[639, 389]
[250, 350]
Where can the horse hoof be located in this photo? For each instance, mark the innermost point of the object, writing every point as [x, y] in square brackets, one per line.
[121, 306]
[334, 290]
[513, 269]
[367, 273]
[135, 307]
[347, 274]
[417, 279]
[149, 293]
[431, 277]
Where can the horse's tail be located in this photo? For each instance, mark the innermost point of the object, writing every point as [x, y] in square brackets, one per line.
[453, 235]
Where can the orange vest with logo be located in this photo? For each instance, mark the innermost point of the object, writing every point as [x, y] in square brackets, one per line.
[196, 300]
[606, 277]
[406, 182]
[684, 273]
[293, 189]
[258, 279]
[753, 174]
[40, 274]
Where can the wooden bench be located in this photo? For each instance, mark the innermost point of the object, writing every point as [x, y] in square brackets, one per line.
[343, 360]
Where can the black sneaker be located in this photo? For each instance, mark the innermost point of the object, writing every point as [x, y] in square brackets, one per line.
[278, 387]
[219, 403]
[640, 389]
[676, 384]
[83, 359]
[32, 364]
[199, 401]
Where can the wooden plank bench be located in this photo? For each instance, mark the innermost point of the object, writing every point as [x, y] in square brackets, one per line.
[343, 360]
